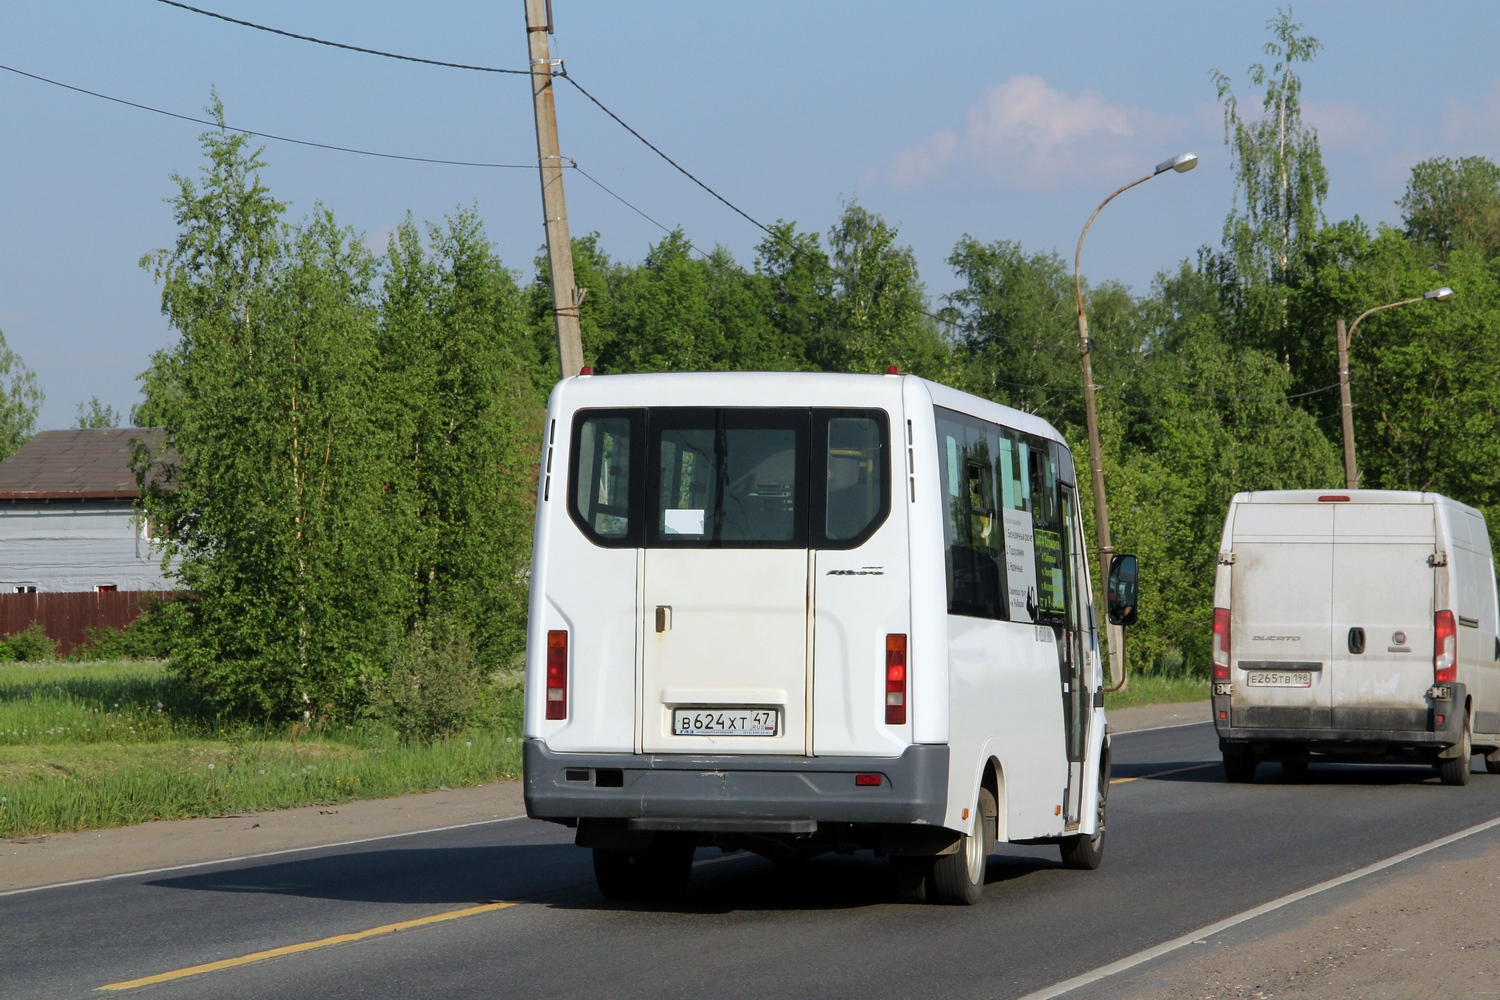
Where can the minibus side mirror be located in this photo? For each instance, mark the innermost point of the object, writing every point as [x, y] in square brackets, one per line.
[1124, 573]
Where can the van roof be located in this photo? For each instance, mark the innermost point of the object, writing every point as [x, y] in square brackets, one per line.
[773, 389]
[1353, 496]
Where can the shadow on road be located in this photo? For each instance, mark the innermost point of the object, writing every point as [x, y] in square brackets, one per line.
[417, 875]
[561, 876]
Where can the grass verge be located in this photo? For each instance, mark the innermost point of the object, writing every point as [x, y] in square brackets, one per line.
[1151, 689]
[92, 745]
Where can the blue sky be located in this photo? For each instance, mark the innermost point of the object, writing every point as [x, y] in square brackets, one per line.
[1001, 120]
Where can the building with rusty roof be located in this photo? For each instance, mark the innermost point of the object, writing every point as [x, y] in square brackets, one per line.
[68, 521]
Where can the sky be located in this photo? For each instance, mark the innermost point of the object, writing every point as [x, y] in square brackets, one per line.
[1004, 121]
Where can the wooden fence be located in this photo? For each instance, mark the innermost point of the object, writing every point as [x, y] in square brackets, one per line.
[66, 617]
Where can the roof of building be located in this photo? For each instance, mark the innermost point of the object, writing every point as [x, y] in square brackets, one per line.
[76, 465]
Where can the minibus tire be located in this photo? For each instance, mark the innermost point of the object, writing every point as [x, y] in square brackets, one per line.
[1086, 852]
[659, 872]
[1239, 764]
[1492, 766]
[1455, 770]
[909, 878]
[620, 874]
[958, 878]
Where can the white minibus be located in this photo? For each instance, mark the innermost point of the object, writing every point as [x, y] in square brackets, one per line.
[794, 613]
[1355, 625]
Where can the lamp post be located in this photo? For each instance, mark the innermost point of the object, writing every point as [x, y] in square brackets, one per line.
[1351, 472]
[1181, 164]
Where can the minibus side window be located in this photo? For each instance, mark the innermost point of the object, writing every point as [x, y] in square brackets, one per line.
[857, 476]
[1051, 560]
[973, 528]
[601, 494]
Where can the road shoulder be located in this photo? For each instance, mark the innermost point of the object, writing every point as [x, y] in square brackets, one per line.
[1138, 717]
[92, 854]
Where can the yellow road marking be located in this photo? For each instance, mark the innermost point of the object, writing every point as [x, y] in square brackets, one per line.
[293, 949]
[1158, 774]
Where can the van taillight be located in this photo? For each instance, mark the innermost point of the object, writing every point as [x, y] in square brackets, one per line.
[557, 674]
[895, 680]
[1444, 648]
[1221, 644]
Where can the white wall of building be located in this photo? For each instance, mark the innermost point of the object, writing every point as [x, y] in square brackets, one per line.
[75, 546]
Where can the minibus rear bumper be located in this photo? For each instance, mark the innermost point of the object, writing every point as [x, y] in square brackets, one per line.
[748, 793]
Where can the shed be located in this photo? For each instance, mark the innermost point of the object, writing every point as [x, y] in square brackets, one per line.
[68, 521]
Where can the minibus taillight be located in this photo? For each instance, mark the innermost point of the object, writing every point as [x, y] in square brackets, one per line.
[1221, 644]
[557, 674]
[1444, 648]
[895, 680]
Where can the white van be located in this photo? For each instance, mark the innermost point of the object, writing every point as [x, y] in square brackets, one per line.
[1357, 625]
[795, 613]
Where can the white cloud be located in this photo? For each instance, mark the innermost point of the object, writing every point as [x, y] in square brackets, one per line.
[1344, 126]
[1028, 134]
[1477, 125]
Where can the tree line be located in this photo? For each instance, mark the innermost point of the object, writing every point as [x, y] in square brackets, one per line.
[354, 436]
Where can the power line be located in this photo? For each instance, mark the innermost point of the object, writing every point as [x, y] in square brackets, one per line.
[266, 135]
[562, 72]
[341, 45]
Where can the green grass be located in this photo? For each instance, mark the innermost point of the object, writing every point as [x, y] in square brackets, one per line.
[92, 745]
[1154, 689]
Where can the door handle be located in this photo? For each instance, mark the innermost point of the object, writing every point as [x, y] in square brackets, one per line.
[1356, 640]
[663, 618]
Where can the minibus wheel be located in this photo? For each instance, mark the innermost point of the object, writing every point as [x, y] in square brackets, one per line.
[1087, 852]
[1455, 770]
[659, 872]
[958, 878]
[1492, 762]
[1239, 764]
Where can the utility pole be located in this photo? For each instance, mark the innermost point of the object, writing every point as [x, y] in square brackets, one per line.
[1115, 633]
[1346, 406]
[565, 294]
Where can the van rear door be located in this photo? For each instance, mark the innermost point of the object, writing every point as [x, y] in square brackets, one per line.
[1383, 586]
[1282, 581]
[725, 582]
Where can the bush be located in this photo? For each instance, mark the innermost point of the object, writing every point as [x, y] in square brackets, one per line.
[145, 638]
[433, 685]
[32, 645]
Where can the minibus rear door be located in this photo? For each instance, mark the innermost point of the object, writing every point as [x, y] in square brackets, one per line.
[725, 587]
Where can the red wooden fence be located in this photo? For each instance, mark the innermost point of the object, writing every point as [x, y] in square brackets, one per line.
[66, 616]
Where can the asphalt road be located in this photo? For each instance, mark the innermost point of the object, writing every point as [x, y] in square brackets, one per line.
[1184, 849]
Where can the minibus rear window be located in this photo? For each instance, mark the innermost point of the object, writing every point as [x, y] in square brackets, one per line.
[603, 461]
[680, 477]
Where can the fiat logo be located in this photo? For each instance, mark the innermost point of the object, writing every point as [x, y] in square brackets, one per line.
[1398, 638]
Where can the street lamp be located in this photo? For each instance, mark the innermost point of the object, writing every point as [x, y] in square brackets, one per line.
[1351, 473]
[1181, 164]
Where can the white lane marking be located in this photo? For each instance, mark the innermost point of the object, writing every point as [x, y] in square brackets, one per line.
[1167, 947]
[253, 857]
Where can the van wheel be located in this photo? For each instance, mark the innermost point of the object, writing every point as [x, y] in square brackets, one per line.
[1239, 764]
[1492, 762]
[958, 878]
[1455, 770]
[659, 872]
[1086, 852]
